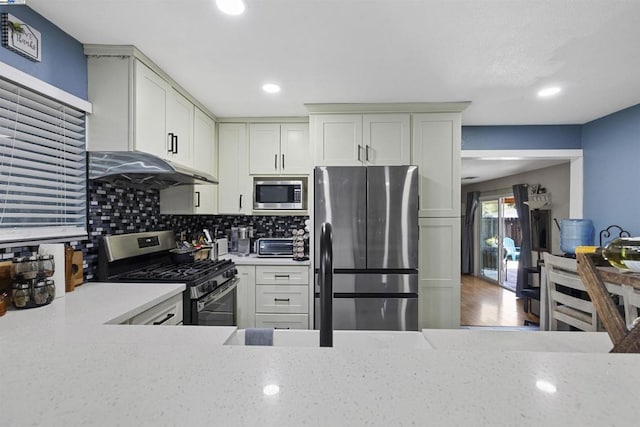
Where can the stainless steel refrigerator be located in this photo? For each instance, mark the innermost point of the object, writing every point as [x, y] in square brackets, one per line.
[374, 214]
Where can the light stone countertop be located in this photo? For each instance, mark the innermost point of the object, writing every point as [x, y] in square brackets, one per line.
[61, 365]
[487, 339]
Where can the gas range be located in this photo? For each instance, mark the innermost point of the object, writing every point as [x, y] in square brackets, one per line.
[209, 298]
[200, 277]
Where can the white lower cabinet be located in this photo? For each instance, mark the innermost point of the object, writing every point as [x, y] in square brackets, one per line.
[282, 275]
[168, 312]
[282, 321]
[245, 301]
[282, 299]
[273, 296]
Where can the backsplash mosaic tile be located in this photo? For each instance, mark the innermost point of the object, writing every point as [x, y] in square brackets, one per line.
[115, 210]
[263, 226]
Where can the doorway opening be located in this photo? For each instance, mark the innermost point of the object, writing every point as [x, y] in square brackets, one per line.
[499, 240]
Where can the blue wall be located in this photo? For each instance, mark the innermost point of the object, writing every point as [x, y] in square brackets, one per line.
[63, 62]
[550, 137]
[611, 158]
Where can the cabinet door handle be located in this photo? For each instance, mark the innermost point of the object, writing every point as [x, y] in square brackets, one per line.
[281, 299]
[167, 317]
[170, 142]
[283, 162]
[197, 199]
[275, 161]
[241, 201]
[176, 145]
[359, 150]
[281, 276]
[366, 153]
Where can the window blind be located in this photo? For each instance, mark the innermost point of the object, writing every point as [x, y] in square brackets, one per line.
[42, 168]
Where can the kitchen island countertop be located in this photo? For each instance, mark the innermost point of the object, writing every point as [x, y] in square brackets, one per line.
[63, 365]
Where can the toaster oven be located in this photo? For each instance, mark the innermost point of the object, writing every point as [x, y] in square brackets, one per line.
[275, 247]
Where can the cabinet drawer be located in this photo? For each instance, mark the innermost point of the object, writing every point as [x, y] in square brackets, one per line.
[282, 275]
[168, 312]
[282, 321]
[282, 299]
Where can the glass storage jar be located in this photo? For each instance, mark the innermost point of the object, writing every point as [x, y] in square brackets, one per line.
[51, 288]
[24, 268]
[21, 296]
[40, 293]
[46, 265]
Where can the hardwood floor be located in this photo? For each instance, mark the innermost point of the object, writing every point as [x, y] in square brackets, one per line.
[487, 304]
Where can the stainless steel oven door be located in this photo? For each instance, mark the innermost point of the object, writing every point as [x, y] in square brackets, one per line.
[219, 307]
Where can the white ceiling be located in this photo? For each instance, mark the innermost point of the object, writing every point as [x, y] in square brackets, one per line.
[494, 53]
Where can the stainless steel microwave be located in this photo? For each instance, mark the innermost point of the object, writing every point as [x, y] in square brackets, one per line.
[276, 194]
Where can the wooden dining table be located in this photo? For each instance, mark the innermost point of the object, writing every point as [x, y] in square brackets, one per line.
[594, 277]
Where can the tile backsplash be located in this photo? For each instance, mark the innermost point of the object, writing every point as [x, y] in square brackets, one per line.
[114, 210]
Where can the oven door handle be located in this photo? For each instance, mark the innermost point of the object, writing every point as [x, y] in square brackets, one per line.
[216, 296]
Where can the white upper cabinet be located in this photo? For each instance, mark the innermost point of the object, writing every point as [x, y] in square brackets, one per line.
[163, 118]
[355, 139]
[199, 199]
[151, 94]
[264, 149]
[140, 108]
[180, 126]
[295, 152]
[205, 146]
[337, 139]
[386, 139]
[276, 149]
[234, 189]
[189, 200]
[436, 151]
[205, 150]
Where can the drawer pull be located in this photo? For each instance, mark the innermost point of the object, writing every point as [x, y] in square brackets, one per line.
[281, 299]
[169, 316]
[282, 276]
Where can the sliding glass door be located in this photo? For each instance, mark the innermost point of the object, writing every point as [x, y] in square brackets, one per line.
[499, 240]
[489, 240]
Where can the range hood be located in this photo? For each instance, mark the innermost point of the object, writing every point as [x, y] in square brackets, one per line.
[132, 169]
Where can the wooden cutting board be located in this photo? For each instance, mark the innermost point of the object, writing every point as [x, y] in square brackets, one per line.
[76, 268]
[5, 276]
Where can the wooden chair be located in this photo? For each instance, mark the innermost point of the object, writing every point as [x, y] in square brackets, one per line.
[631, 304]
[565, 304]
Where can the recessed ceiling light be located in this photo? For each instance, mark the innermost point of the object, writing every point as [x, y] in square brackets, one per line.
[271, 88]
[231, 7]
[549, 91]
[271, 389]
